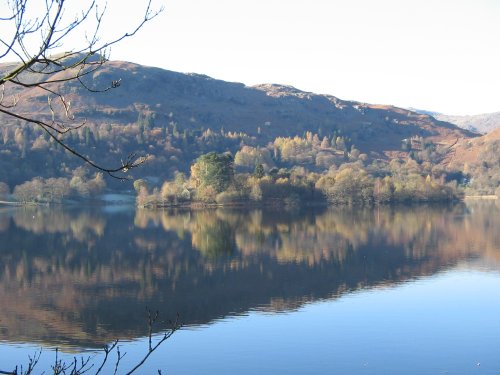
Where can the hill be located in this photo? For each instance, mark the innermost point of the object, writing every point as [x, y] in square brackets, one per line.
[482, 123]
[479, 159]
[175, 117]
[198, 101]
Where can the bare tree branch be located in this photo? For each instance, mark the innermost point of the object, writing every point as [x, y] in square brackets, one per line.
[83, 365]
[107, 349]
[176, 325]
[39, 68]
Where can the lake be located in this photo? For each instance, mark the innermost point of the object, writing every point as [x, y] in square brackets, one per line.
[389, 290]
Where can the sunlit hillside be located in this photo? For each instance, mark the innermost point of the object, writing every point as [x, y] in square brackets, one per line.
[175, 117]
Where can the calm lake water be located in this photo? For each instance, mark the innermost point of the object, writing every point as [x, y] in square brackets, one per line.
[409, 290]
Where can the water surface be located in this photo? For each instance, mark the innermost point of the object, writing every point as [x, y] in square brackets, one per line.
[347, 291]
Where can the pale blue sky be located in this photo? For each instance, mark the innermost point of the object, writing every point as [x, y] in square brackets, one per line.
[441, 55]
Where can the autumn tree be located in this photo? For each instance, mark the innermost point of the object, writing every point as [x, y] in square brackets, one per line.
[349, 186]
[140, 184]
[175, 191]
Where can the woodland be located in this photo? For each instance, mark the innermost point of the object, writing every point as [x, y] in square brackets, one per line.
[186, 166]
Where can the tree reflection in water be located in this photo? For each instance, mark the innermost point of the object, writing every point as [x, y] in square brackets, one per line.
[83, 277]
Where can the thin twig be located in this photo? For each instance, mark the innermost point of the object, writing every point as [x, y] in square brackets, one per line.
[166, 335]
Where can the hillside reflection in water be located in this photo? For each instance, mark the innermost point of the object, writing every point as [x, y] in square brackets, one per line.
[84, 277]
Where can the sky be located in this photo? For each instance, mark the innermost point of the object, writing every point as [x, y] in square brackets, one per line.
[438, 55]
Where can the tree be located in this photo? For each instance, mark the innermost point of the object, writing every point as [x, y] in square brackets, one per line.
[139, 184]
[213, 171]
[350, 187]
[33, 40]
[259, 171]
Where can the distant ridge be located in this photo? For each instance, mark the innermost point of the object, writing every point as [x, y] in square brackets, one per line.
[482, 123]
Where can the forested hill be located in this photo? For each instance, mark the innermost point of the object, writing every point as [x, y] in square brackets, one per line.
[199, 102]
[176, 117]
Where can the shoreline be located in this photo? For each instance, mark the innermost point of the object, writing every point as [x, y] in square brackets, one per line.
[480, 197]
[9, 203]
[241, 204]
